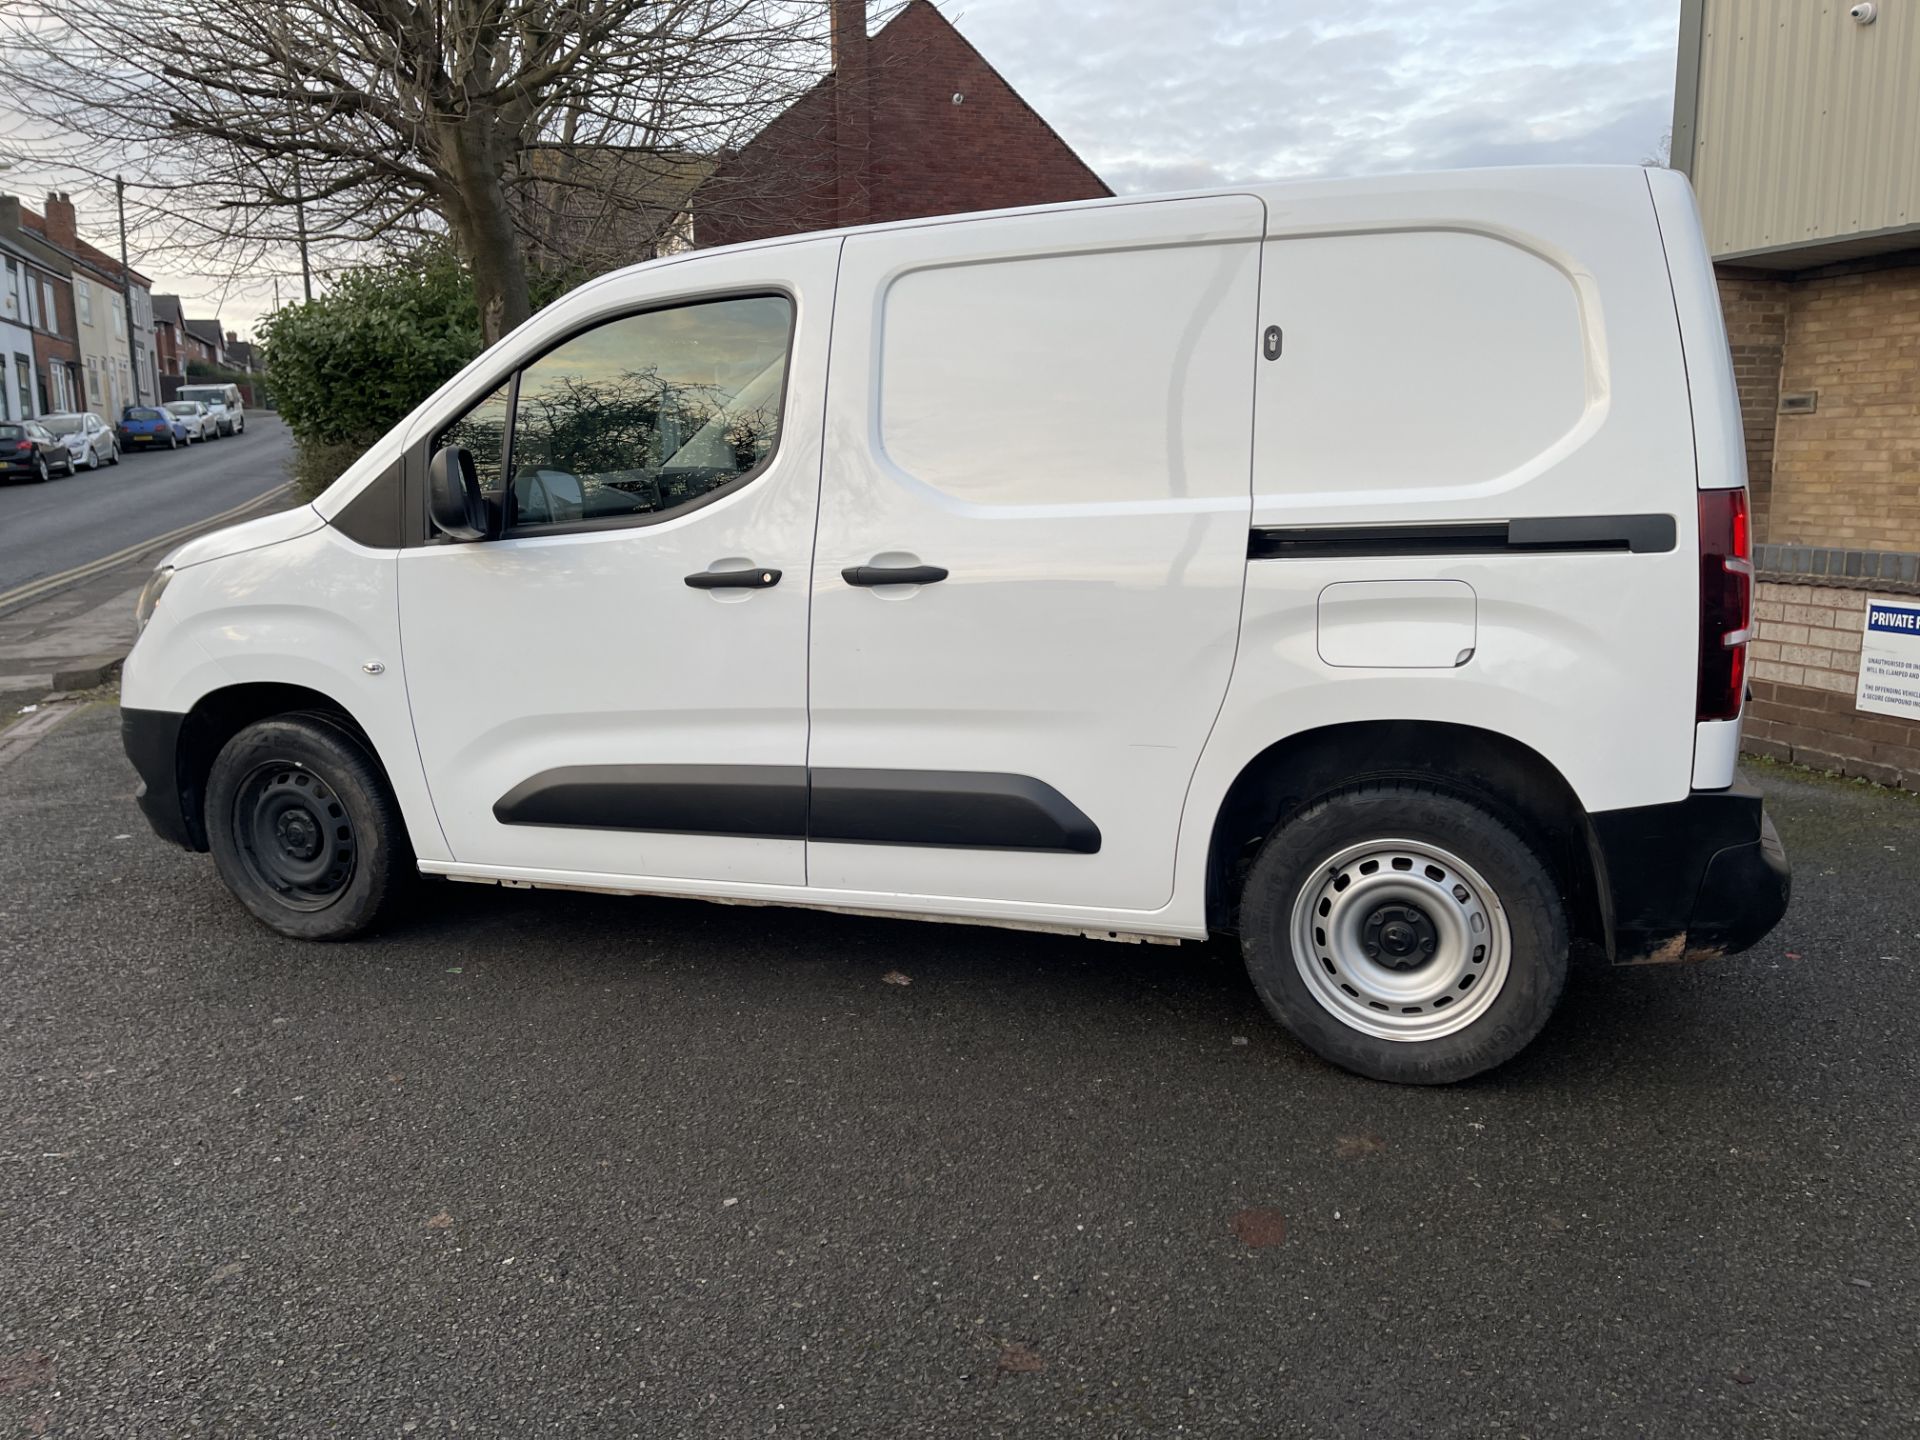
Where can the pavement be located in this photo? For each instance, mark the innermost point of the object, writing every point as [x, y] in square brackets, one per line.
[75, 552]
[542, 1164]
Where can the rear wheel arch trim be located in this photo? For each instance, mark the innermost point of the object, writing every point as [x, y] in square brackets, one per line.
[1523, 788]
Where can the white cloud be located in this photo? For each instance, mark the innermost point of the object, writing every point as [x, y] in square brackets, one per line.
[1158, 95]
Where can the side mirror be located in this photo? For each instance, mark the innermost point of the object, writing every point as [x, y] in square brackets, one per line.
[454, 502]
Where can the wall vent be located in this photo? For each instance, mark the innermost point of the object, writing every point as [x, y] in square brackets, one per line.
[1799, 402]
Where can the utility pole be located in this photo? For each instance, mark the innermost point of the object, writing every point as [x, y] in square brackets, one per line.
[126, 289]
[300, 219]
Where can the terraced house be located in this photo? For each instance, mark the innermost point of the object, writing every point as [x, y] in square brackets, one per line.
[1797, 124]
[36, 322]
[113, 316]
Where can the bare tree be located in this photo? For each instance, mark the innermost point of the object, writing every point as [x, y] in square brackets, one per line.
[369, 121]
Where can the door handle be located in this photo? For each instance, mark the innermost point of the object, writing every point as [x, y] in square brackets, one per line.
[869, 575]
[749, 579]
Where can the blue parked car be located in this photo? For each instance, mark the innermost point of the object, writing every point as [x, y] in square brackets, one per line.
[152, 427]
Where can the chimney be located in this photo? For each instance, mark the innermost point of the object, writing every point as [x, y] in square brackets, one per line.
[851, 110]
[9, 214]
[60, 223]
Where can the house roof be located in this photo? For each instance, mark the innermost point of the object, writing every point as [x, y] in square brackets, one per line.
[601, 206]
[94, 258]
[926, 153]
[167, 310]
[39, 251]
[207, 330]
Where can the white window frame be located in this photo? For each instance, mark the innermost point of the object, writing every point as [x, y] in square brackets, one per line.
[83, 300]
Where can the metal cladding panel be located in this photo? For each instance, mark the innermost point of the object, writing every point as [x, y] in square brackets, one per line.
[1805, 123]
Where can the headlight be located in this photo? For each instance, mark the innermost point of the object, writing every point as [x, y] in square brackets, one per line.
[150, 594]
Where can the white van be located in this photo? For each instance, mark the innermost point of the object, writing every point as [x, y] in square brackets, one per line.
[1358, 567]
[223, 402]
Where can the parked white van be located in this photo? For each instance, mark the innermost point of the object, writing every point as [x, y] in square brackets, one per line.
[224, 402]
[1358, 567]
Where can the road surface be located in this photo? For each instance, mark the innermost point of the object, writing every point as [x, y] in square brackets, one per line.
[561, 1165]
[46, 529]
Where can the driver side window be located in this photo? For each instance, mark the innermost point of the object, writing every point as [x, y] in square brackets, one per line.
[640, 417]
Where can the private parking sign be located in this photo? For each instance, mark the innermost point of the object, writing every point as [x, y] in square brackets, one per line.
[1890, 659]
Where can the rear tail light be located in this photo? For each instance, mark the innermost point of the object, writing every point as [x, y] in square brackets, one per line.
[24, 445]
[1726, 603]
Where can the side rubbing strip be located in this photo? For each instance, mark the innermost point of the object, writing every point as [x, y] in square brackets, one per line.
[957, 809]
[767, 801]
[962, 809]
[1568, 534]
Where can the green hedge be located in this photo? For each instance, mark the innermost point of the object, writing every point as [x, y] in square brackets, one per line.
[347, 367]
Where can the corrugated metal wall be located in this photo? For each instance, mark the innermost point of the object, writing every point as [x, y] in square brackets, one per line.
[1808, 124]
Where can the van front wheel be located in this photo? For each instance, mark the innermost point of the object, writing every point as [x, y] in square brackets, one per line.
[304, 830]
[1404, 934]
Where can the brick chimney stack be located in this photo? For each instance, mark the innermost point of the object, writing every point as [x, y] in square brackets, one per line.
[852, 110]
[61, 228]
[9, 214]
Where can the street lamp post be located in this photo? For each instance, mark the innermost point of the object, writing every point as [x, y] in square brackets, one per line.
[126, 289]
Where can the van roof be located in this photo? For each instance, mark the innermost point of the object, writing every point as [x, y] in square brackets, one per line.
[1276, 194]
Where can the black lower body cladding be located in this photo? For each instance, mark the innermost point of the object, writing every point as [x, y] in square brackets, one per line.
[1699, 877]
[152, 742]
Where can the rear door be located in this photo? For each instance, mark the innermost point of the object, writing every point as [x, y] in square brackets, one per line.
[1032, 541]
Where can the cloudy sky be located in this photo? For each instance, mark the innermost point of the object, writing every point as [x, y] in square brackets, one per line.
[1182, 94]
[1173, 94]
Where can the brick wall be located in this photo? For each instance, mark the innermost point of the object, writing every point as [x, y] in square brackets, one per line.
[1848, 475]
[926, 154]
[1805, 669]
[1756, 312]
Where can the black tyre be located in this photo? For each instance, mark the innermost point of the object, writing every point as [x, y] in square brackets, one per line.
[1404, 934]
[304, 829]
[41, 474]
[173, 441]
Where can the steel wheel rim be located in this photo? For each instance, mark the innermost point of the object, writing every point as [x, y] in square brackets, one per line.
[1441, 943]
[294, 835]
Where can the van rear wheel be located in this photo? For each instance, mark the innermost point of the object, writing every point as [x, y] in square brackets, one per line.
[304, 830]
[1404, 934]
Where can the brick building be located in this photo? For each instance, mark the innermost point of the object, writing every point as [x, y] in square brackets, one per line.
[170, 345]
[114, 312]
[45, 308]
[1795, 123]
[912, 121]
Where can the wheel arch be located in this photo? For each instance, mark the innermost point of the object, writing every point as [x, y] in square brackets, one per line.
[1518, 784]
[219, 715]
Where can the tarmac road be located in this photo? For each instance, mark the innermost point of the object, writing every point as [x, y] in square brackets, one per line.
[538, 1164]
[47, 529]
